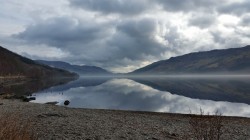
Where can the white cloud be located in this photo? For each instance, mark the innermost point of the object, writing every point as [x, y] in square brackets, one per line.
[121, 35]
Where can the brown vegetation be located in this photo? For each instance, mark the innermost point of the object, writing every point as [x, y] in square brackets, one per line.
[11, 128]
[205, 127]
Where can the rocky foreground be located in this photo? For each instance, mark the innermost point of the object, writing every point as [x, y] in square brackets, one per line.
[54, 122]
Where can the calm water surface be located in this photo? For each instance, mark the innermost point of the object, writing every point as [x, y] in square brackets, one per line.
[230, 96]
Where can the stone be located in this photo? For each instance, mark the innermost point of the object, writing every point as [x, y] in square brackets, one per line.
[66, 102]
[52, 103]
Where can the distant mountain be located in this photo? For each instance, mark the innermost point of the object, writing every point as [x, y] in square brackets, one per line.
[227, 61]
[81, 70]
[12, 64]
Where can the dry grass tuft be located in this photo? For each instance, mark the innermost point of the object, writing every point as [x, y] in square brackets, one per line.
[205, 127]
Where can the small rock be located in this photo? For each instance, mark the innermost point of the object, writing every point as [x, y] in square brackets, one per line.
[32, 98]
[122, 137]
[52, 103]
[173, 134]
[1, 103]
[66, 102]
[50, 115]
[27, 99]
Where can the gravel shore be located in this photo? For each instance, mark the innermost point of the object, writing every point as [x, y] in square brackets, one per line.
[55, 122]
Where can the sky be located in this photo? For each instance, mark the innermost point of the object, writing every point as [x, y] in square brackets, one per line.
[121, 35]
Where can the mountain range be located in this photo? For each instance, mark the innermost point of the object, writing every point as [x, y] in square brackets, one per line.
[12, 64]
[81, 70]
[227, 61]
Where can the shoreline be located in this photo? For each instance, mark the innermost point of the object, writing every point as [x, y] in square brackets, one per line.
[58, 122]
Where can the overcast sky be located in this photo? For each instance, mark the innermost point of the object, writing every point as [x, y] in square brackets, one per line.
[121, 35]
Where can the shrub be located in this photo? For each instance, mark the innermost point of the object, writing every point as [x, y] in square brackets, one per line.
[206, 127]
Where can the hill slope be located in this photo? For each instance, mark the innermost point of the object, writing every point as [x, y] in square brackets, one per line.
[82, 70]
[228, 61]
[12, 64]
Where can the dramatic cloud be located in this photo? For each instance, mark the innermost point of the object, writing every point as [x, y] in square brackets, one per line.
[188, 5]
[202, 21]
[245, 20]
[63, 31]
[137, 38]
[121, 35]
[95, 43]
[128, 7]
[236, 7]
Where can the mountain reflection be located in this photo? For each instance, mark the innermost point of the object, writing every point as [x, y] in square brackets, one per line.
[81, 82]
[157, 95]
[216, 89]
[25, 87]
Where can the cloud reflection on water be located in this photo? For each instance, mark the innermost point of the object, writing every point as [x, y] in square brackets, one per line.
[124, 94]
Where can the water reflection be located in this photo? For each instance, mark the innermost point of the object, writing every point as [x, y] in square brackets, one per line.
[230, 89]
[162, 95]
[26, 87]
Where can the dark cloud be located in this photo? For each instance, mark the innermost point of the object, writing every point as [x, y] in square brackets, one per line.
[62, 31]
[175, 40]
[95, 44]
[133, 7]
[202, 21]
[218, 38]
[178, 43]
[135, 39]
[133, 42]
[124, 33]
[245, 21]
[127, 7]
[187, 5]
[236, 8]
[226, 41]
